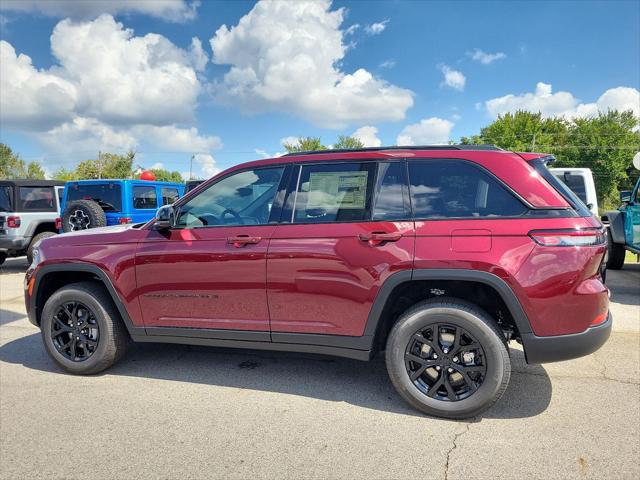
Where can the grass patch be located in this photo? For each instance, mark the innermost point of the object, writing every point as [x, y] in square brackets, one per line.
[630, 257]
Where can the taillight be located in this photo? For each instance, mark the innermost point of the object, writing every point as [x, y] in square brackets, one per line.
[58, 223]
[599, 319]
[568, 238]
[124, 220]
[13, 222]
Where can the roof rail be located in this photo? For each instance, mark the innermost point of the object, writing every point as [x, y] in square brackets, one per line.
[396, 147]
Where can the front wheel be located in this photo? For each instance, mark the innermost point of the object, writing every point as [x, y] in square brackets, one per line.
[82, 330]
[447, 358]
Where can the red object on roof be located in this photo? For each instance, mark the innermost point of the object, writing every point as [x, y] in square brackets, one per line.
[148, 175]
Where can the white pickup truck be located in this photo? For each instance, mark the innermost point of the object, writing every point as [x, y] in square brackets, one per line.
[580, 180]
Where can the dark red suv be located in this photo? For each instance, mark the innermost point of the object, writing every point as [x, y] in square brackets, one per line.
[438, 256]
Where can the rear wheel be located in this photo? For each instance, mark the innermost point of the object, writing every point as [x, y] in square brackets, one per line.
[35, 240]
[3, 257]
[615, 253]
[82, 330]
[447, 358]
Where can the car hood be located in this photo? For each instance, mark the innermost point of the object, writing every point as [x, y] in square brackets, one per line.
[102, 235]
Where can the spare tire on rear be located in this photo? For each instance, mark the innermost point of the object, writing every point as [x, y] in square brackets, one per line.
[83, 214]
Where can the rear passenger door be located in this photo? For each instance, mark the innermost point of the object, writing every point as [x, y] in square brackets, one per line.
[463, 213]
[344, 230]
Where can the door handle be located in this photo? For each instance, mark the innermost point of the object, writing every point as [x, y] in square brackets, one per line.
[242, 240]
[378, 238]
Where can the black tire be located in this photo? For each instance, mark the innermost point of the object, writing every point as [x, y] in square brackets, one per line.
[3, 257]
[35, 240]
[476, 325]
[615, 253]
[83, 214]
[112, 339]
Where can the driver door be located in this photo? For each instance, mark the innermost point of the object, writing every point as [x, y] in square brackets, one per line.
[209, 272]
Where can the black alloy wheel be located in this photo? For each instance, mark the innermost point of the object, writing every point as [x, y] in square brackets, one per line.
[75, 332]
[445, 362]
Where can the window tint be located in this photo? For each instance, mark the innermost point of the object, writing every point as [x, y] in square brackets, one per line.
[450, 188]
[169, 195]
[6, 199]
[334, 192]
[36, 198]
[107, 195]
[244, 198]
[145, 198]
[389, 199]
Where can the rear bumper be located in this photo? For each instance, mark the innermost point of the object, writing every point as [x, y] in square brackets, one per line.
[566, 347]
[14, 243]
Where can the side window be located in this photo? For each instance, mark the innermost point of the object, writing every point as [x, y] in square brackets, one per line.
[36, 198]
[334, 192]
[169, 195]
[389, 197]
[145, 197]
[244, 198]
[453, 189]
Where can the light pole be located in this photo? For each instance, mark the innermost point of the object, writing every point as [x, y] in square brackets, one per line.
[191, 168]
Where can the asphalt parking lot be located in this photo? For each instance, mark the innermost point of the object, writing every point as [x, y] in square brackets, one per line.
[188, 412]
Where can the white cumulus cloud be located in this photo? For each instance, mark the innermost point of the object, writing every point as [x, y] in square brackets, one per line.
[368, 135]
[171, 10]
[109, 90]
[207, 164]
[429, 131]
[453, 78]
[565, 104]
[285, 56]
[484, 57]
[376, 28]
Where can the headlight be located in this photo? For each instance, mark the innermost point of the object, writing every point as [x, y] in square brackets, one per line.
[35, 255]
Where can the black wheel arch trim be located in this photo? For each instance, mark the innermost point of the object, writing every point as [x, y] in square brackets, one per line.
[396, 279]
[42, 272]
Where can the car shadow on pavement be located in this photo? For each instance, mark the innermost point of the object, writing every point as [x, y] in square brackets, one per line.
[7, 316]
[364, 384]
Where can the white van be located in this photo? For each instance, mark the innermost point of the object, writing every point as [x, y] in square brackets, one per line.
[580, 180]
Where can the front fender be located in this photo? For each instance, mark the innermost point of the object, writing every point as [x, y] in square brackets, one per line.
[616, 225]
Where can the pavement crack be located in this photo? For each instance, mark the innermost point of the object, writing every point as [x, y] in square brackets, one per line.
[453, 447]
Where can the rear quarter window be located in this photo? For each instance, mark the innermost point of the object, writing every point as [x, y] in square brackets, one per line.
[145, 197]
[6, 198]
[458, 189]
[36, 199]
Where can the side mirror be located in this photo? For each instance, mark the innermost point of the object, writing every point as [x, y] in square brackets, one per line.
[625, 196]
[165, 218]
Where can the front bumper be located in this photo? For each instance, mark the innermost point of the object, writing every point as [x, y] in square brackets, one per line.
[566, 347]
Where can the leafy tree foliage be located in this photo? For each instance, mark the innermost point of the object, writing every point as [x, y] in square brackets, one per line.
[348, 142]
[307, 144]
[12, 166]
[163, 175]
[604, 143]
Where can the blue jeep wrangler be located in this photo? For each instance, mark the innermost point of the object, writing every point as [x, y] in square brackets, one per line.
[98, 203]
[623, 228]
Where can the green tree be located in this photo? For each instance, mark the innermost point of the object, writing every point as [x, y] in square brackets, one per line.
[604, 143]
[305, 144]
[12, 166]
[346, 142]
[163, 175]
[309, 144]
[107, 165]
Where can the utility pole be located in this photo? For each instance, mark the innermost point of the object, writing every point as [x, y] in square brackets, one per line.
[533, 146]
[99, 164]
[191, 168]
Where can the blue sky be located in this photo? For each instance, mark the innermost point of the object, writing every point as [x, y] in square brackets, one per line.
[113, 75]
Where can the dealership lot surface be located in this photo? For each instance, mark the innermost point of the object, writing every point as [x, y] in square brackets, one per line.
[172, 411]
